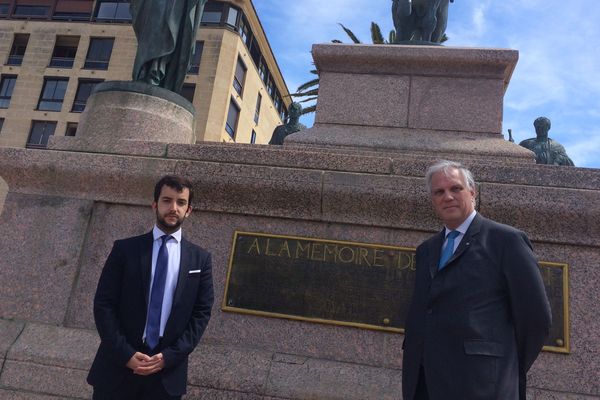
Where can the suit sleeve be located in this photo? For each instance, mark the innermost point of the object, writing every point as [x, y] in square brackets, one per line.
[106, 302]
[186, 343]
[528, 301]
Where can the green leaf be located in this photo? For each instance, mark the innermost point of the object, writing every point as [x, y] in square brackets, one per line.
[308, 110]
[350, 34]
[376, 35]
[306, 85]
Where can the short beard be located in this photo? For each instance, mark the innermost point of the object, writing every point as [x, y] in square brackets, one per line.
[165, 227]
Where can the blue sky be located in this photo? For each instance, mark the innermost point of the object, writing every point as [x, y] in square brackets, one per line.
[558, 43]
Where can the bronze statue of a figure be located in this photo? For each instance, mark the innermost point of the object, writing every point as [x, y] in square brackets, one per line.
[293, 125]
[420, 20]
[547, 151]
[166, 34]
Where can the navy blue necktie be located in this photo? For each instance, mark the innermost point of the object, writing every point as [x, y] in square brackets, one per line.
[448, 250]
[157, 294]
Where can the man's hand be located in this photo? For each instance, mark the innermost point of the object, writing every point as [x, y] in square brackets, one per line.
[142, 364]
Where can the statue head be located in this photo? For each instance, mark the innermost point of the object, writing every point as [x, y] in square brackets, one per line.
[295, 111]
[542, 126]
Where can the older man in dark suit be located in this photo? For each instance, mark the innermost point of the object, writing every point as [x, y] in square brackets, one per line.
[479, 314]
[153, 302]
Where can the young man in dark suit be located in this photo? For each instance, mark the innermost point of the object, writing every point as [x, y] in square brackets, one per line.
[479, 313]
[152, 304]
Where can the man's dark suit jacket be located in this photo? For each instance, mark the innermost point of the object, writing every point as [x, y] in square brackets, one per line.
[121, 304]
[476, 326]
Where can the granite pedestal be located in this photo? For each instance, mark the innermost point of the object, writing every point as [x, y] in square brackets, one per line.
[65, 206]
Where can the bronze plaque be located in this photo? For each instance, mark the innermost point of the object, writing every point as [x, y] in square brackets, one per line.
[556, 281]
[344, 283]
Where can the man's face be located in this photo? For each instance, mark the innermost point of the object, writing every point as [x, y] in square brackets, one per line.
[452, 200]
[172, 208]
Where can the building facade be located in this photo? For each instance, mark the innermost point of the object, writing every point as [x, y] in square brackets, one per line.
[53, 53]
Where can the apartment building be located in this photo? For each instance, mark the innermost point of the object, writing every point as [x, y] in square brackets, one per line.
[53, 53]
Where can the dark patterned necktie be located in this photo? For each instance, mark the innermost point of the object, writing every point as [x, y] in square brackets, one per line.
[157, 294]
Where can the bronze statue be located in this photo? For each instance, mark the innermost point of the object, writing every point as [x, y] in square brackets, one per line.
[547, 151]
[166, 35]
[293, 125]
[420, 20]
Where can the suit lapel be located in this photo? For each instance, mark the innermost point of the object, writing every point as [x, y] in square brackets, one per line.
[184, 268]
[436, 251]
[146, 244]
[470, 235]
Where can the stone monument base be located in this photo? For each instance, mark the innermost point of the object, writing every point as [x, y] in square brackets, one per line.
[134, 111]
[432, 99]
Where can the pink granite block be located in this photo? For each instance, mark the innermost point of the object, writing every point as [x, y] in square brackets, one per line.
[249, 189]
[420, 60]
[56, 346]
[361, 99]
[204, 393]
[229, 368]
[18, 395]
[99, 177]
[549, 395]
[9, 332]
[280, 156]
[124, 147]
[41, 240]
[550, 214]
[459, 104]
[323, 379]
[114, 115]
[45, 379]
[398, 202]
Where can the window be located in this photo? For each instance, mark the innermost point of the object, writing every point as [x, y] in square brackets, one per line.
[1, 124]
[31, 11]
[71, 129]
[232, 118]
[271, 88]
[195, 63]
[7, 85]
[212, 13]
[257, 109]
[71, 16]
[253, 137]
[84, 90]
[188, 91]
[245, 31]
[255, 52]
[64, 52]
[53, 94]
[99, 52]
[69, 10]
[40, 133]
[232, 17]
[17, 51]
[113, 11]
[4, 8]
[239, 76]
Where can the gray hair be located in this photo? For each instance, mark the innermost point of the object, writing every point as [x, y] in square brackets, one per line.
[446, 166]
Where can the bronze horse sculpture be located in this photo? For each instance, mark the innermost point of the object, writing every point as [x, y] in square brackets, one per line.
[420, 20]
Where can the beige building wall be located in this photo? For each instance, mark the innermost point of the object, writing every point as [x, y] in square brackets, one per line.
[213, 83]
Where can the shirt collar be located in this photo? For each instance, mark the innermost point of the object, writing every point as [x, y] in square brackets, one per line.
[462, 228]
[157, 233]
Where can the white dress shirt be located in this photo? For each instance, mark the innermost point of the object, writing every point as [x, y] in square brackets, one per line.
[174, 250]
[462, 229]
